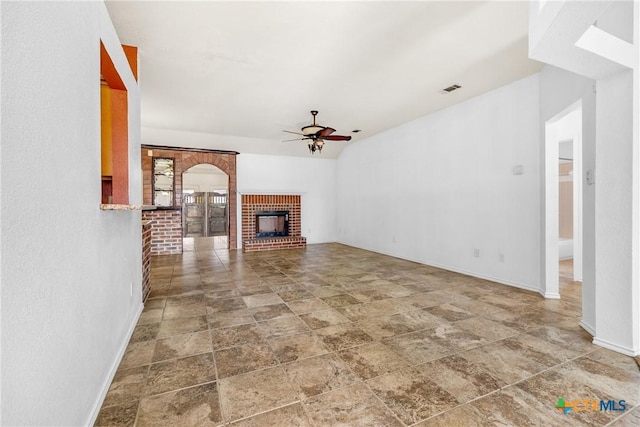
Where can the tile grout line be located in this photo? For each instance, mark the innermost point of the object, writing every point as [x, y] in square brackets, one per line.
[335, 270]
[513, 385]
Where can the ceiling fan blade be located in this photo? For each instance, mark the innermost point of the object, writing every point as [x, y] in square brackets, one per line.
[297, 139]
[325, 132]
[297, 133]
[337, 138]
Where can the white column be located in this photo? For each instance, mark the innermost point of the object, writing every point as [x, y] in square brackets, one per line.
[616, 225]
[636, 185]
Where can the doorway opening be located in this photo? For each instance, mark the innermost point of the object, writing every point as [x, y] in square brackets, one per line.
[205, 208]
[563, 201]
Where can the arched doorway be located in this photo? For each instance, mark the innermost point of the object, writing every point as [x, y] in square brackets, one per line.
[205, 206]
[167, 222]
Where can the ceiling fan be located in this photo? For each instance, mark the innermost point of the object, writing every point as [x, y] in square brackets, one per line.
[317, 135]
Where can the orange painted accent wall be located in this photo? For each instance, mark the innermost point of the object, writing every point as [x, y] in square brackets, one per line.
[131, 52]
[115, 127]
[108, 70]
[120, 145]
[105, 131]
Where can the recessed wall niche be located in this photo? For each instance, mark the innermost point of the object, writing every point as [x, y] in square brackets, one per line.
[114, 127]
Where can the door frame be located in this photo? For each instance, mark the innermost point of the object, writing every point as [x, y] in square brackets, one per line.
[553, 137]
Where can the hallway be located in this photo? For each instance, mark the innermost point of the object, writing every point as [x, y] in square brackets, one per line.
[334, 335]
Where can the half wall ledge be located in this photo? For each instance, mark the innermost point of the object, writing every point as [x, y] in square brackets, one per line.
[273, 243]
[121, 207]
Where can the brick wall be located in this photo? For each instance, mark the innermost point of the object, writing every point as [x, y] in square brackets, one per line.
[262, 202]
[166, 231]
[273, 243]
[185, 159]
[146, 259]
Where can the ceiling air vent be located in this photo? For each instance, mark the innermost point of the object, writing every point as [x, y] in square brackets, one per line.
[450, 89]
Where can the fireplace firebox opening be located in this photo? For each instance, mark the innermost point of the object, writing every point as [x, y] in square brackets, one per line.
[272, 223]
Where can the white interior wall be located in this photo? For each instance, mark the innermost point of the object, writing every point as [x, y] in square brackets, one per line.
[614, 193]
[636, 180]
[607, 52]
[559, 89]
[67, 268]
[565, 151]
[617, 194]
[435, 189]
[569, 133]
[313, 178]
[617, 19]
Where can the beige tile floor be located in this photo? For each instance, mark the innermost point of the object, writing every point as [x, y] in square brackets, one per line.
[333, 335]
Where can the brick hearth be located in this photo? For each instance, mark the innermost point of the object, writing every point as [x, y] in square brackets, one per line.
[261, 202]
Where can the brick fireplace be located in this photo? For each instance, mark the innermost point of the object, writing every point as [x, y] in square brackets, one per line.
[255, 205]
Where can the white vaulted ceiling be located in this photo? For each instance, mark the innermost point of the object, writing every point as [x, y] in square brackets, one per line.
[233, 75]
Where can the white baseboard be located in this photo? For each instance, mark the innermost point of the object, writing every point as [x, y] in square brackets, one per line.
[114, 368]
[615, 347]
[588, 328]
[550, 295]
[452, 269]
[486, 277]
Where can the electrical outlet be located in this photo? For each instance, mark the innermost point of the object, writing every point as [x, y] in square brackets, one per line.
[476, 253]
[501, 257]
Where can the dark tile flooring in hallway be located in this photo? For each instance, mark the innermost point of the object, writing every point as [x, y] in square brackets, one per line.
[332, 335]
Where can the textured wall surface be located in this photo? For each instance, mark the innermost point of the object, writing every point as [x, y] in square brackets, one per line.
[71, 273]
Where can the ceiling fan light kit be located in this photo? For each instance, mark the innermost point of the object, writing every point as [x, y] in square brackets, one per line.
[317, 135]
[312, 129]
[315, 146]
